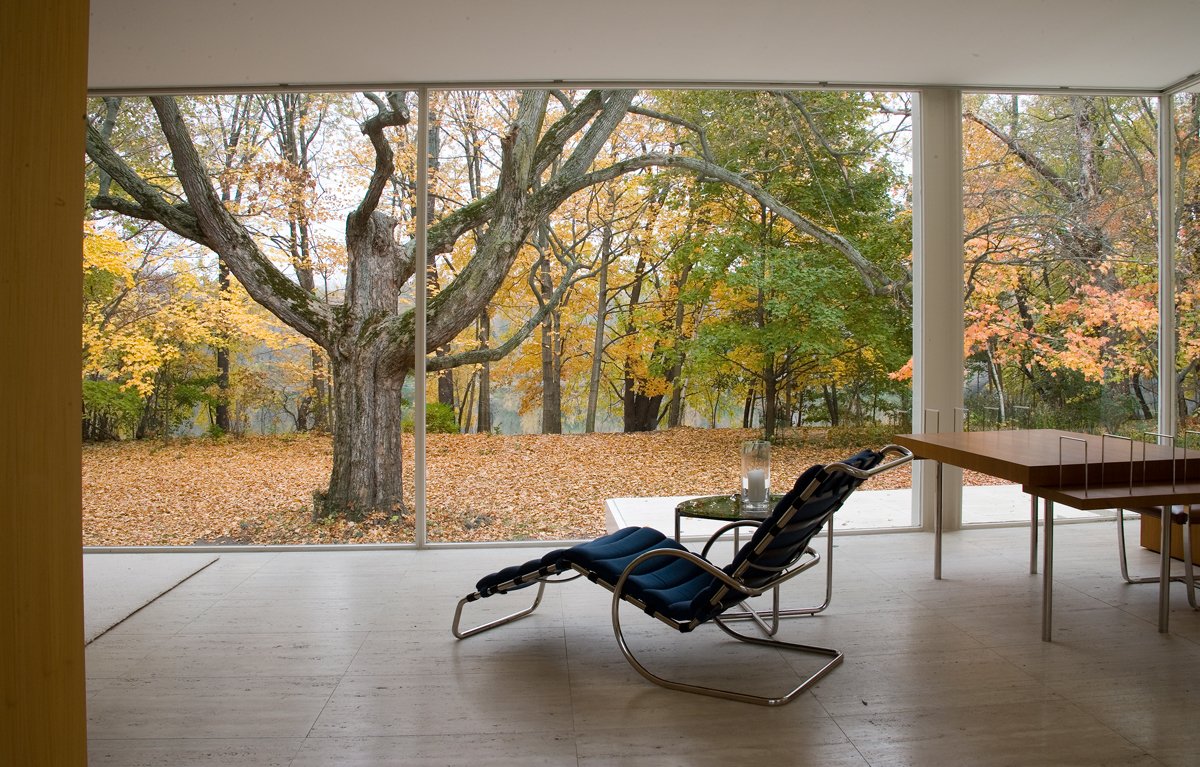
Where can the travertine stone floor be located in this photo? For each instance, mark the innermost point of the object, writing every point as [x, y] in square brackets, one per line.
[346, 658]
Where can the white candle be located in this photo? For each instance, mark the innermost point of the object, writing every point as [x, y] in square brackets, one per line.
[756, 486]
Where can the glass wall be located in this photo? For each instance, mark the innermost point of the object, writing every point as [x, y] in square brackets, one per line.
[655, 277]
[622, 286]
[1187, 262]
[1061, 269]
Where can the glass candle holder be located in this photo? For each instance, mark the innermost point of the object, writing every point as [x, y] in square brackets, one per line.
[756, 476]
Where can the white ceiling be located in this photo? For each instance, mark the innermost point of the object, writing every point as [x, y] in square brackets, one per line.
[182, 44]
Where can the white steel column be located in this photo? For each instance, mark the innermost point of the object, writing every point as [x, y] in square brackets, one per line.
[420, 285]
[937, 291]
[1167, 417]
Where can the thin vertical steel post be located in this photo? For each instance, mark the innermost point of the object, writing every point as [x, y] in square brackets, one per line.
[420, 285]
[937, 526]
[1048, 570]
[1033, 534]
[1164, 571]
[1166, 265]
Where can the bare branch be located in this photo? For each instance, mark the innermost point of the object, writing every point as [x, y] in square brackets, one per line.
[225, 235]
[491, 354]
[393, 113]
[701, 133]
[873, 278]
[1034, 162]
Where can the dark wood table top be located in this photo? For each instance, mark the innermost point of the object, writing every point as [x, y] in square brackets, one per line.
[1031, 457]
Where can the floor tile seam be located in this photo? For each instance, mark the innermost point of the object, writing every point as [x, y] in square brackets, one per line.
[981, 708]
[271, 633]
[332, 691]
[350, 664]
[570, 685]
[199, 738]
[165, 594]
[141, 657]
[1150, 621]
[223, 596]
[842, 730]
[280, 677]
[296, 754]
[1104, 722]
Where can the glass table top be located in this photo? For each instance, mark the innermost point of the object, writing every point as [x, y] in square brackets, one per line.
[722, 507]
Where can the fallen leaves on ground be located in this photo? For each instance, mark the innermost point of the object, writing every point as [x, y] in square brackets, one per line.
[480, 487]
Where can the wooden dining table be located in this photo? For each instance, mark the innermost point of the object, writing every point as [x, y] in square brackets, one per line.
[1084, 471]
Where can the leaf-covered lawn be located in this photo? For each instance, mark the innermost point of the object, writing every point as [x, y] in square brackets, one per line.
[480, 487]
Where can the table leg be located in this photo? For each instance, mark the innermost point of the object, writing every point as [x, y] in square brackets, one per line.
[1033, 534]
[1164, 572]
[1048, 570]
[937, 525]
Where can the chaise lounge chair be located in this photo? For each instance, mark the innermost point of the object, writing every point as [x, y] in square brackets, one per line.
[652, 572]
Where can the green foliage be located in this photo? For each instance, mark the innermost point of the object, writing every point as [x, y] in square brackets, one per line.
[109, 411]
[439, 419]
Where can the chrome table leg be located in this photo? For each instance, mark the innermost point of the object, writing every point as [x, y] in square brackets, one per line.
[1033, 534]
[937, 525]
[1164, 573]
[1048, 570]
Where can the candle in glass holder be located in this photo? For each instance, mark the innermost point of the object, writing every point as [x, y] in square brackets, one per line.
[756, 476]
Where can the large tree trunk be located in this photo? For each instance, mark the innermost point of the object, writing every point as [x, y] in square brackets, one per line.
[367, 460]
[320, 396]
[831, 403]
[640, 412]
[675, 376]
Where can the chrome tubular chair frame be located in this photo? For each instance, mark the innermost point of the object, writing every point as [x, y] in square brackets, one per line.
[510, 618]
[776, 613]
[835, 656]
[1184, 521]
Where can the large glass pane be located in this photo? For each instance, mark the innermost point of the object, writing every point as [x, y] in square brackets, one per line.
[623, 287]
[1061, 269]
[1187, 262]
[241, 336]
[626, 285]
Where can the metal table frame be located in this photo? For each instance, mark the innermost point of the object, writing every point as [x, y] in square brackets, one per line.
[1034, 459]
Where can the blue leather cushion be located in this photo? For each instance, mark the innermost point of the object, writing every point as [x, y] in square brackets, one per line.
[528, 572]
[665, 584]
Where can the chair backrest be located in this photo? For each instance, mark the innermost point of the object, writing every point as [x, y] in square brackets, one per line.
[781, 540]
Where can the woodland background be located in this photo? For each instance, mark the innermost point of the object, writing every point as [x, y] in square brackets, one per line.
[665, 299]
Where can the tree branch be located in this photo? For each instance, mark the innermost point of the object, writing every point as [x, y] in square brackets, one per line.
[555, 138]
[150, 203]
[701, 133]
[1035, 163]
[491, 354]
[393, 113]
[225, 235]
[873, 278]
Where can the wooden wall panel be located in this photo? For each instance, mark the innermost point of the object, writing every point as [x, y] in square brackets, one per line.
[43, 80]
